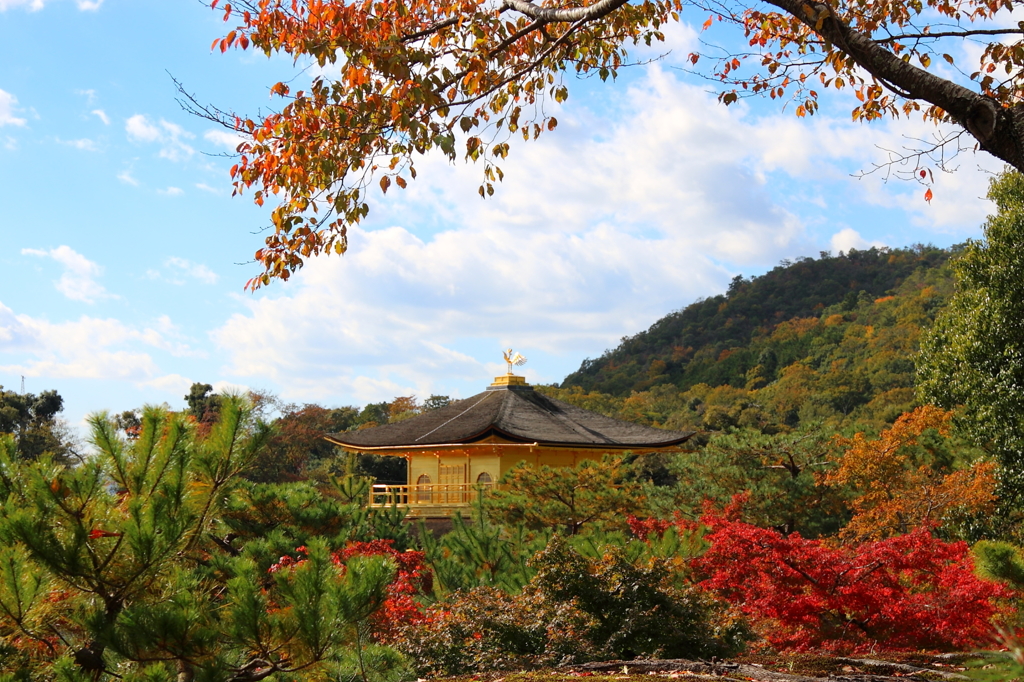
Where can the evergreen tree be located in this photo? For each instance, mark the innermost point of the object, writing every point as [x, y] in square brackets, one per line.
[129, 421]
[114, 569]
[32, 419]
[777, 473]
[436, 402]
[375, 414]
[480, 553]
[973, 359]
[590, 493]
[203, 403]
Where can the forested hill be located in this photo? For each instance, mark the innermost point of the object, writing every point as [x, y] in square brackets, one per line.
[710, 341]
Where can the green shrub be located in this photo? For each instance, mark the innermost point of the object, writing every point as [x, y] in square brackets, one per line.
[641, 607]
[1000, 561]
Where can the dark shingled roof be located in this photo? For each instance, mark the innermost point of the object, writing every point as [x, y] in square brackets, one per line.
[517, 413]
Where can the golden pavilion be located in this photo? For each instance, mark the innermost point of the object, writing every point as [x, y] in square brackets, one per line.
[467, 446]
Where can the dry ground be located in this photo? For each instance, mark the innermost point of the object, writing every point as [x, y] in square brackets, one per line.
[976, 667]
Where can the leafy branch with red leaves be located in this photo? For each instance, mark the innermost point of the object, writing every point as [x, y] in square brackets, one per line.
[905, 593]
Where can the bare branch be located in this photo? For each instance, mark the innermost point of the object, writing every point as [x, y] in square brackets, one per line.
[906, 163]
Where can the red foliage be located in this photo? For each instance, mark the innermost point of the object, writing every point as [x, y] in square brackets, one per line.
[643, 528]
[412, 578]
[286, 561]
[97, 533]
[909, 592]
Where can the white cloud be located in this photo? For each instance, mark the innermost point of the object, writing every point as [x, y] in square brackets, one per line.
[169, 341]
[87, 348]
[78, 281]
[102, 115]
[83, 144]
[230, 387]
[194, 270]
[170, 383]
[597, 231]
[14, 335]
[206, 188]
[848, 238]
[90, 348]
[139, 129]
[7, 104]
[958, 197]
[224, 138]
[126, 177]
[171, 191]
[168, 135]
[165, 325]
[179, 271]
[388, 318]
[33, 5]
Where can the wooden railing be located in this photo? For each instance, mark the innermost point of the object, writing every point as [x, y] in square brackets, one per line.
[432, 494]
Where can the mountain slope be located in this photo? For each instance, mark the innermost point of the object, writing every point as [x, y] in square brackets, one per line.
[710, 340]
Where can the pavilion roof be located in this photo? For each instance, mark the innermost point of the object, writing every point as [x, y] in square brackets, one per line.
[517, 413]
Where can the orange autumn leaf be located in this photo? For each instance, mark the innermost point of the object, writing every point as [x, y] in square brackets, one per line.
[893, 496]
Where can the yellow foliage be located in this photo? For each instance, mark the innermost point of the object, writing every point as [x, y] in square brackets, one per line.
[405, 406]
[833, 320]
[794, 329]
[896, 497]
[725, 396]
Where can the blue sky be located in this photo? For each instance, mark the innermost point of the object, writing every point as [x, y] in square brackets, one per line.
[124, 255]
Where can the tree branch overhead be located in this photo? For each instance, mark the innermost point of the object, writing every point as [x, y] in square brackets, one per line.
[417, 76]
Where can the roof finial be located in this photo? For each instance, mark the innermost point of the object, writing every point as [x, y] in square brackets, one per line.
[517, 360]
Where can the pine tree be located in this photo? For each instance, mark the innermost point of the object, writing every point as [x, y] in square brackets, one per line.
[115, 569]
[478, 553]
[591, 492]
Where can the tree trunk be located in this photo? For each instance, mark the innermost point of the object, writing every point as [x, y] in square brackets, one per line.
[997, 129]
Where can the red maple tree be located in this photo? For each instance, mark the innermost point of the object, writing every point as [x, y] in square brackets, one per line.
[908, 592]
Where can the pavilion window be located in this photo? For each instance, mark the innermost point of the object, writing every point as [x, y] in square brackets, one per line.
[423, 488]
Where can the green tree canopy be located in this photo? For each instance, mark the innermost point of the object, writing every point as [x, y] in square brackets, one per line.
[203, 403]
[597, 493]
[33, 421]
[973, 357]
